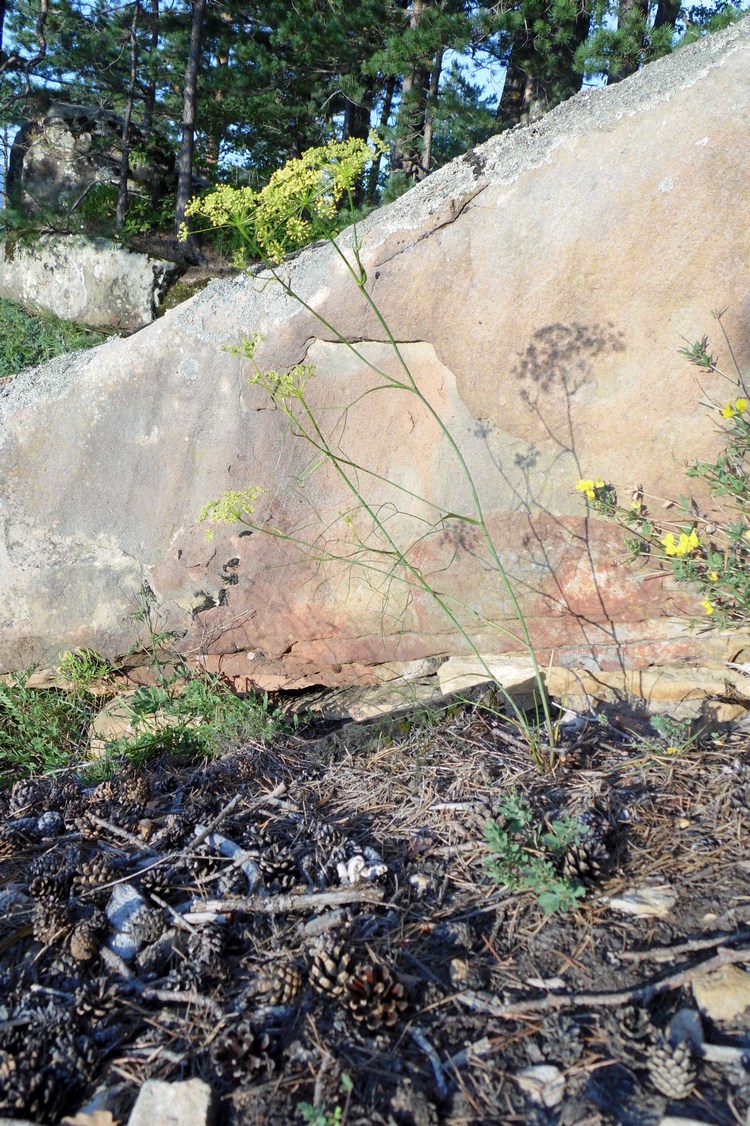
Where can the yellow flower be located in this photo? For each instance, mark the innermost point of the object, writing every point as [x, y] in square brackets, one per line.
[713, 576]
[707, 606]
[589, 487]
[747, 534]
[681, 546]
[732, 409]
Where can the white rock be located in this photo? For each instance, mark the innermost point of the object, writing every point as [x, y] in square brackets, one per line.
[724, 994]
[543, 1083]
[645, 902]
[172, 1104]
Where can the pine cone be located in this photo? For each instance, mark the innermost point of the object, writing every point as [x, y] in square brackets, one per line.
[585, 861]
[672, 1070]
[740, 799]
[26, 795]
[562, 1040]
[206, 947]
[159, 880]
[279, 867]
[93, 1004]
[330, 969]
[51, 885]
[85, 941]
[51, 919]
[93, 876]
[278, 984]
[241, 1051]
[374, 997]
[171, 830]
[634, 1029]
[147, 925]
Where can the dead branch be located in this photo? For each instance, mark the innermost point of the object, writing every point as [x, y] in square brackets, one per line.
[490, 1004]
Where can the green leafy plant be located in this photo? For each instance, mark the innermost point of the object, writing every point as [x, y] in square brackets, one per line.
[82, 667]
[27, 339]
[319, 1116]
[303, 201]
[41, 729]
[710, 551]
[526, 857]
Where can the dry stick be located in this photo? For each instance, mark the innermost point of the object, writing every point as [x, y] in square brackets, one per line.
[487, 1002]
[181, 997]
[665, 953]
[166, 996]
[280, 904]
[422, 1042]
[124, 835]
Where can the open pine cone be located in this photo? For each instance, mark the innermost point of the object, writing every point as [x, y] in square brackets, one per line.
[330, 969]
[278, 984]
[374, 996]
[672, 1070]
[585, 861]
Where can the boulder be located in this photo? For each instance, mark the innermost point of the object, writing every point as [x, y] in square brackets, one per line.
[539, 289]
[63, 149]
[95, 282]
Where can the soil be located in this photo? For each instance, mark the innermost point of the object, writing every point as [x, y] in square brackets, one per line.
[364, 967]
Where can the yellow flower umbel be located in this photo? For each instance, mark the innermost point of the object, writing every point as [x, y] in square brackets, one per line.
[707, 606]
[681, 545]
[589, 487]
[299, 203]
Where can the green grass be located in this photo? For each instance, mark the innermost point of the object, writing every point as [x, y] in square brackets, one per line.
[46, 729]
[27, 340]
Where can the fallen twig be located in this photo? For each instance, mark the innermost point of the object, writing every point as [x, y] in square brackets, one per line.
[488, 1003]
[666, 953]
[424, 1044]
[289, 904]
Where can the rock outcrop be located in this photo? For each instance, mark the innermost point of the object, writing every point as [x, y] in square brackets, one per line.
[95, 282]
[539, 289]
[61, 152]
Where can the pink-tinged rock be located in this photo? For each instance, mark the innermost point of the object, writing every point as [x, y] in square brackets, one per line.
[539, 293]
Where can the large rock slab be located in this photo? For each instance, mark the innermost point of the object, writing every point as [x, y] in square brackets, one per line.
[539, 289]
[93, 281]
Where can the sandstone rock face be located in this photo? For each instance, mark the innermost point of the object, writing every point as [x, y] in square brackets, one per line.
[60, 154]
[539, 289]
[95, 282]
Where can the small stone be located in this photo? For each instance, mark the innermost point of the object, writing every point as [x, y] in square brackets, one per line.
[172, 1104]
[543, 1083]
[645, 902]
[724, 994]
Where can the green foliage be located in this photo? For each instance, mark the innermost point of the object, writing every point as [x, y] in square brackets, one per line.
[396, 185]
[525, 857]
[319, 1116]
[96, 213]
[41, 729]
[82, 667]
[27, 340]
[710, 552]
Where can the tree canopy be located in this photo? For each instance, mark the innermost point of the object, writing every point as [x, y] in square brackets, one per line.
[236, 88]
